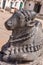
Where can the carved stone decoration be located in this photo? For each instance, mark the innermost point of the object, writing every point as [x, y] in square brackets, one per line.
[26, 41]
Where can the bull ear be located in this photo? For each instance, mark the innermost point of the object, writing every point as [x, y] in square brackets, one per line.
[30, 23]
[32, 17]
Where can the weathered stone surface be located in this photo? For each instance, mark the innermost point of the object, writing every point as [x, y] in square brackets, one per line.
[26, 41]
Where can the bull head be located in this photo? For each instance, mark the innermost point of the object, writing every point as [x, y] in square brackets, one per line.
[20, 19]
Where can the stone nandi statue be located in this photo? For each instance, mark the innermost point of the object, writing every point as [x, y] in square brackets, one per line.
[26, 40]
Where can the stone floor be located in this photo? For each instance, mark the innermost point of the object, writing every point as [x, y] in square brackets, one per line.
[4, 33]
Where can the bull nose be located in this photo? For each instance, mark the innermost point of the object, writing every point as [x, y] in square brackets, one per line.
[9, 23]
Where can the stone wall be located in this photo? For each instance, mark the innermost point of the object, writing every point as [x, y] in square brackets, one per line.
[29, 5]
[41, 11]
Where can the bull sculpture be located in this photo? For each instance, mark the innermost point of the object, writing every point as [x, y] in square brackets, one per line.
[25, 43]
